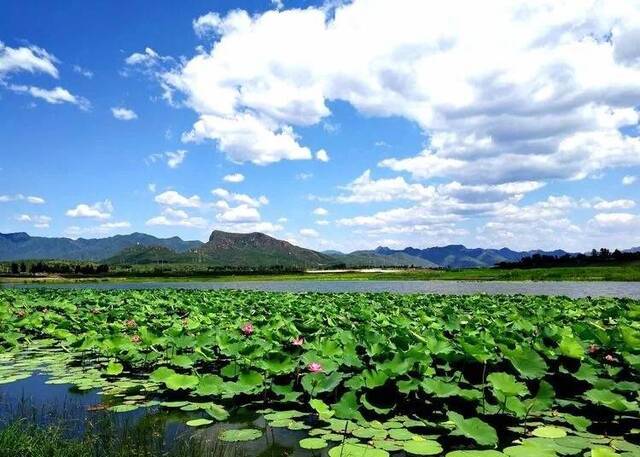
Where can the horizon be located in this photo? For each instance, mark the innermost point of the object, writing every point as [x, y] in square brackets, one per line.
[392, 124]
[372, 248]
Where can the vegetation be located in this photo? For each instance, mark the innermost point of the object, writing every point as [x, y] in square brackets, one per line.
[359, 374]
[195, 272]
[604, 257]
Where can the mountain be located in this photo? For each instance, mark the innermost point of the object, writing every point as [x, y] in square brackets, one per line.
[21, 246]
[459, 256]
[256, 250]
[637, 249]
[251, 250]
[379, 259]
[140, 255]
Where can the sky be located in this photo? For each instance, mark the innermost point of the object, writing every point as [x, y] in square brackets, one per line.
[333, 124]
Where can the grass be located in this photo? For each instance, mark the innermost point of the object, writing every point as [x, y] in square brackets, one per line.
[23, 438]
[629, 272]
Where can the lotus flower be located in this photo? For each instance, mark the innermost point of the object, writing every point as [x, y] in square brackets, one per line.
[247, 328]
[298, 341]
[609, 358]
[314, 367]
[593, 349]
[136, 339]
[131, 323]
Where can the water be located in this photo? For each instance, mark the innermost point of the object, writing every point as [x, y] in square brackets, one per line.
[574, 289]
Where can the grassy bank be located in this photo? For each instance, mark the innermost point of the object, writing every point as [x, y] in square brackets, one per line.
[630, 272]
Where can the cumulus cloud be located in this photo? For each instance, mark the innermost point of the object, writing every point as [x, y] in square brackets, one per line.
[171, 217]
[34, 200]
[37, 220]
[123, 114]
[234, 178]
[606, 205]
[99, 210]
[207, 24]
[83, 71]
[106, 228]
[322, 155]
[320, 212]
[628, 180]
[309, 233]
[549, 105]
[173, 198]
[245, 199]
[173, 158]
[54, 96]
[31, 59]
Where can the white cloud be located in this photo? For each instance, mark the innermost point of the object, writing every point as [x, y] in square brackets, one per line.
[207, 24]
[152, 187]
[234, 178]
[309, 233]
[99, 210]
[171, 217]
[38, 221]
[34, 200]
[628, 180]
[303, 176]
[83, 71]
[173, 158]
[322, 155]
[320, 212]
[245, 199]
[247, 138]
[31, 59]
[123, 114]
[610, 220]
[283, 220]
[614, 204]
[323, 222]
[547, 106]
[54, 96]
[240, 213]
[173, 198]
[100, 230]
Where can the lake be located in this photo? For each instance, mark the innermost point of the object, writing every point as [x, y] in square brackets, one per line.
[574, 289]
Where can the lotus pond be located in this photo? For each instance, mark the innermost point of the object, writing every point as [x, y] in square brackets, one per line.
[347, 375]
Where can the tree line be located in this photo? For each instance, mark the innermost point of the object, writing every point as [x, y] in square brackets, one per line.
[41, 267]
[595, 258]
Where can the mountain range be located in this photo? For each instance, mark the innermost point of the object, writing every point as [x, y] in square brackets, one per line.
[244, 250]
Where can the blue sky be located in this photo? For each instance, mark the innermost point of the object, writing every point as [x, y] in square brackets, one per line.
[341, 125]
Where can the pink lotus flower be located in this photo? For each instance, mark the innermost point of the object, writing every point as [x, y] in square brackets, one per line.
[247, 328]
[314, 367]
[298, 341]
[593, 349]
[131, 323]
[609, 358]
[136, 339]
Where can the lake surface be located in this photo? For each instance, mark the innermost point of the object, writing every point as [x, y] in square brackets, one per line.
[574, 289]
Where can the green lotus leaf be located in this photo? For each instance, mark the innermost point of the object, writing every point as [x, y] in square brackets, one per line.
[181, 381]
[313, 443]
[114, 368]
[611, 400]
[347, 407]
[477, 454]
[216, 411]
[474, 428]
[199, 422]
[549, 432]
[527, 361]
[507, 384]
[422, 447]
[244, 434]
[356, 450]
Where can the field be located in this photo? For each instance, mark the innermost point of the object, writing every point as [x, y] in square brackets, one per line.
[354, 374]
[626, 272]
